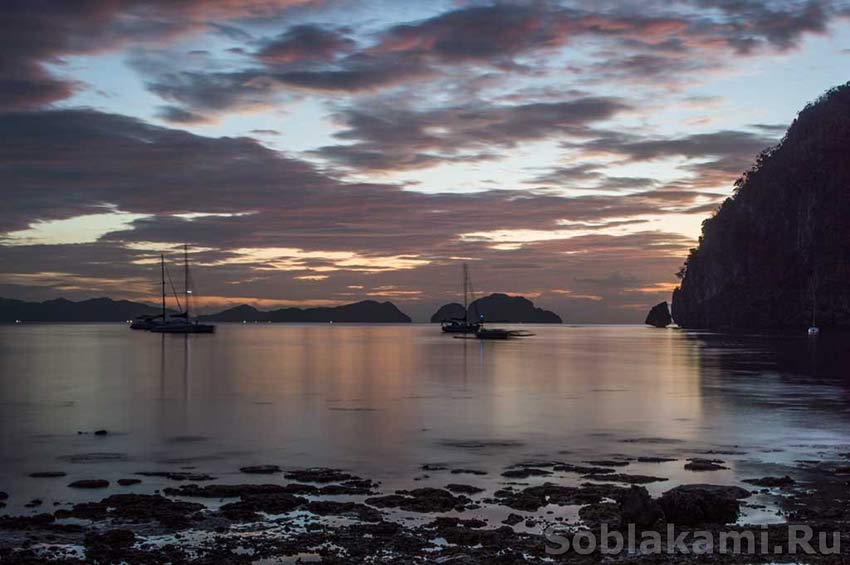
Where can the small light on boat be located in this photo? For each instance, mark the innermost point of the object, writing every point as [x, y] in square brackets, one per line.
[188, 292]
[813, 331]
[17, 321]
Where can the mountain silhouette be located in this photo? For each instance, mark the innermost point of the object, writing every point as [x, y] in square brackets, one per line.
[779, 248]
[63, 310]
[449, 311]
[499, 308]
[108, 310]
[366, 311]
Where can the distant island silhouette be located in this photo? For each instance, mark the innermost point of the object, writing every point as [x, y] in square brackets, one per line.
[64, 310]
[776, 254]
[499, 308]
[109, 310]
[365, 311]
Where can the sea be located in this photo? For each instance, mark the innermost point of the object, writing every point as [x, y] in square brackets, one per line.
[382, 401]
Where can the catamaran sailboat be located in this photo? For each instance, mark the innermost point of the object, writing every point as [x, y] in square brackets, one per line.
[148, 321]
[462, 325]
[181, 323]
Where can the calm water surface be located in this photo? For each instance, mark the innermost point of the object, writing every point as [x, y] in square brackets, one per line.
[383, 400]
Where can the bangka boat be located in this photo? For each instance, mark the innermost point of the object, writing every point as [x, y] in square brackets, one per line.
[181, 323]
[492, 333]
[499, 333]
[462, 325]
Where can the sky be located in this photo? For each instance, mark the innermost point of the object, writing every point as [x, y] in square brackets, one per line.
[320, 152]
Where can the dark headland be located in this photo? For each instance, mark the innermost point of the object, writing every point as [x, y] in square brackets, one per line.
[499, 308]
[779, 248]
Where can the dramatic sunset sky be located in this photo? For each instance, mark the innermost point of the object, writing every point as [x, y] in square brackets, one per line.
[321, 152]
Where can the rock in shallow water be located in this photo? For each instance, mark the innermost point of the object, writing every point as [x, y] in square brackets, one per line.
[250, 505]
[261, 469]
[90, 483]
[136, 508]
[704, 465]
[772, 482]
[177, 475]
[525, 473]
[691, 505]
[463, 489]
[111, 546]
[421, 500]
[320, 475]
[637, 507]
[625, 478]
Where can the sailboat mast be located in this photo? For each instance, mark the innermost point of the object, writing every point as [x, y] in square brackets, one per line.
[162, 272]
[465, 292]
[186, 277]
[814, 304]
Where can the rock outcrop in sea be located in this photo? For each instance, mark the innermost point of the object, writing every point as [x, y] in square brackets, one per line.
[659, 316]
[448, 312]
[778, 250]
[499, 308]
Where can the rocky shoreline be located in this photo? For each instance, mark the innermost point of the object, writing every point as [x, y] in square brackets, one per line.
[334, 516]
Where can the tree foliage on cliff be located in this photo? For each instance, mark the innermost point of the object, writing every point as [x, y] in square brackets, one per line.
[781, 244]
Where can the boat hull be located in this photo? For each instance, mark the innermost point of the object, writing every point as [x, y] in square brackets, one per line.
[145, 322]
[493, 334]
[460, 326]
[184, 329]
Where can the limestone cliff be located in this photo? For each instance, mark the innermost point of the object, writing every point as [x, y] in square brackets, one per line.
[781, 245]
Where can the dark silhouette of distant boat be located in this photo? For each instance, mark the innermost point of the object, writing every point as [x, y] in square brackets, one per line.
[181, 323]
[462, 325]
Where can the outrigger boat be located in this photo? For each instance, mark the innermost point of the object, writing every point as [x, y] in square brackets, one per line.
[181, 323]
[500, 333]
[462, 325]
